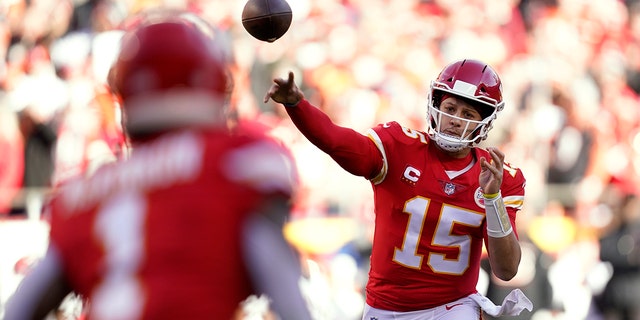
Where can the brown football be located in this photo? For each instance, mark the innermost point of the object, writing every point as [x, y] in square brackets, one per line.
[267, 20]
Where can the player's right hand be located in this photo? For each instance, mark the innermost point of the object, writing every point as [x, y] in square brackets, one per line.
[284, 91]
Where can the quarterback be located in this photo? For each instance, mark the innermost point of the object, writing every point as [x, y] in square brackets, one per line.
[438, 196]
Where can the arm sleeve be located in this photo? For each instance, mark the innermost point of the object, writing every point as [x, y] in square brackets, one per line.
[274, 265]
[41, 291]
[353, 151]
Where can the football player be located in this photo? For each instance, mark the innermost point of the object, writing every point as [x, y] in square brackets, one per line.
[190, 225]
[438, 196]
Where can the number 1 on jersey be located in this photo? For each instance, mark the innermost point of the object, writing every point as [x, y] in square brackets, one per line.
[408, 255]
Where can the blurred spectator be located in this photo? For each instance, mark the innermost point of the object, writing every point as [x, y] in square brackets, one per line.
[570, 149]
[12, 159]
[39, 147]
[40, 141]
[621, 248]
[633, 50]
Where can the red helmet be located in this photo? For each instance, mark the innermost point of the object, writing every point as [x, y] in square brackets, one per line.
[171, 72]
[475, 82]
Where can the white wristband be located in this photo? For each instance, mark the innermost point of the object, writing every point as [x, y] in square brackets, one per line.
[498, 224]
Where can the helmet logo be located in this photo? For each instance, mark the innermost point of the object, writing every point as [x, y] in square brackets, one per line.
[461, 87]
[479, 197]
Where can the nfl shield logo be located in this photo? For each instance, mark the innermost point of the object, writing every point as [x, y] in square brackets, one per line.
[449, 188]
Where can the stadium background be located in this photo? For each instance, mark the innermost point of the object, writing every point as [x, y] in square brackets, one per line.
[571, 75]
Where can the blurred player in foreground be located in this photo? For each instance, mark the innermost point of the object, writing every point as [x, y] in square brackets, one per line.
[191, 224]
[437, 197]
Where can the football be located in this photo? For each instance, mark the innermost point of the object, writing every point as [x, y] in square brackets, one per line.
[266, 20]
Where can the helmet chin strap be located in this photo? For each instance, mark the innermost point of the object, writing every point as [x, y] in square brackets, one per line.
[448, 145]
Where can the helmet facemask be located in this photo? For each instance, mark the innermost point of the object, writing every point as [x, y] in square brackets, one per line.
[474, 132]
[474, 82]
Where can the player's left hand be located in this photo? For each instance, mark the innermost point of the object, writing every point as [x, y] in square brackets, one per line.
[491, 174]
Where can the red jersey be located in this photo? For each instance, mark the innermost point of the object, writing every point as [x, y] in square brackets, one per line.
[429, 227]
[158, 236]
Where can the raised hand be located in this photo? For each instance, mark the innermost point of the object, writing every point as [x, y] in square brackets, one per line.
[492, 171]
[284, 91]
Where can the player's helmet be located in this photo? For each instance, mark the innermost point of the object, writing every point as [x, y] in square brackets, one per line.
[171, 72]
[475, 82]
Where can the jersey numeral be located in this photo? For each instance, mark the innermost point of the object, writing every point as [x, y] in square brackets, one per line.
[511, 170]
[120, 227]
[411, 133]
[443, 237]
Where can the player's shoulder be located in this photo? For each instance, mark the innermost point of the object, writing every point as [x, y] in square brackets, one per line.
[64, 201]
[513, 177]
[394, 131]
[251, 134]
[170, 159]
[260, 160]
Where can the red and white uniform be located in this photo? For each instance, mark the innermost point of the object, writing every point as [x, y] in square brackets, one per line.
[429, 227]
[159, 236]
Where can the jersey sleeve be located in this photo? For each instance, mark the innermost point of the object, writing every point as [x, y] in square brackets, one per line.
[264, 166]
[513, 189]
[353, 151]
[389, 136]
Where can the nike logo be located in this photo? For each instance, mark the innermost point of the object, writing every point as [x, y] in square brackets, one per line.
[452, 306]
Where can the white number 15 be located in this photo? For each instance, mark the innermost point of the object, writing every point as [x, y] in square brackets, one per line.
[443, 237]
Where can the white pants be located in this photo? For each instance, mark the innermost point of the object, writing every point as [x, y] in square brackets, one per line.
[467, 308]
[461, 309]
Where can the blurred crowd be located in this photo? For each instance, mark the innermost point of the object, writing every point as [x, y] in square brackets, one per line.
[571, 76]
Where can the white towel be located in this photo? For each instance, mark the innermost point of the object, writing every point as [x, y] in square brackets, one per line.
[512, 305]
